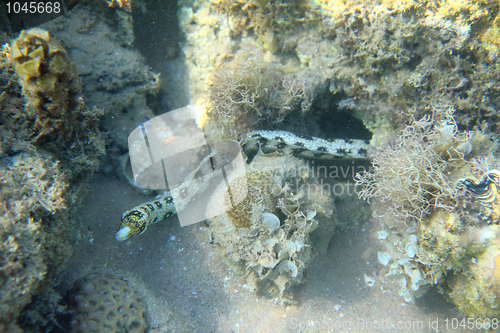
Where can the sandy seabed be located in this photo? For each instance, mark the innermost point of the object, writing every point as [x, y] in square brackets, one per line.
[189, 289]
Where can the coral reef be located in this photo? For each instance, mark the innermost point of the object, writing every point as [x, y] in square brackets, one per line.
[117, 80]
[388, 60]
[49, 83]
[105, 302]
[249, 92]
[386, 63]
[267, 236]
[381, 61]
[433, 232]
[49, 148]
[270, 21]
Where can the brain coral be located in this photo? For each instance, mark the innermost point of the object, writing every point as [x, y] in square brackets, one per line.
[106, 303]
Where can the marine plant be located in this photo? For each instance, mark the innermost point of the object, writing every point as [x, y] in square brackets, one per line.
[433, 231]
[416, 173]
[249, 92]
[269, 20]
[50, 145]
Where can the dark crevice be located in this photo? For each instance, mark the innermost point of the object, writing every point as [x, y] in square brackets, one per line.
[325, 119]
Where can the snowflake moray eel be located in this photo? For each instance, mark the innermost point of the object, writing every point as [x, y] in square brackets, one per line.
[136, 220]
[305, 146]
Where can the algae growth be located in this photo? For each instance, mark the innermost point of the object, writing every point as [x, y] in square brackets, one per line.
[419, 80]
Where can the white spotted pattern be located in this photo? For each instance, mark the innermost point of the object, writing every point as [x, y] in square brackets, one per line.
[306, 146]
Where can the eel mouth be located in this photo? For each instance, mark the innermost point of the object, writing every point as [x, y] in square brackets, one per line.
[123, 234]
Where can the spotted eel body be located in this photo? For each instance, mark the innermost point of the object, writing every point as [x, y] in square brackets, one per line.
[136, 220]
[306, 146]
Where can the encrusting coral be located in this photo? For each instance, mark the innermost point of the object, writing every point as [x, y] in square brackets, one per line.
[49, 148]
[433, 232]
[266, 237]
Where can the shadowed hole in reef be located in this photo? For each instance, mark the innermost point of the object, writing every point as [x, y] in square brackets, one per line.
[330, 116]
[335, 112]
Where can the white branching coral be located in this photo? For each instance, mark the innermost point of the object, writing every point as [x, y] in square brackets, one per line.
[419, 179]
[411, 174]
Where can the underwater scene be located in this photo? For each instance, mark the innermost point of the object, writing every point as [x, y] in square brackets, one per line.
[249, 166]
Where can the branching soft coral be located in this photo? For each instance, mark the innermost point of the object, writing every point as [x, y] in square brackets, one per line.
[418, 172]
[248, 92]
